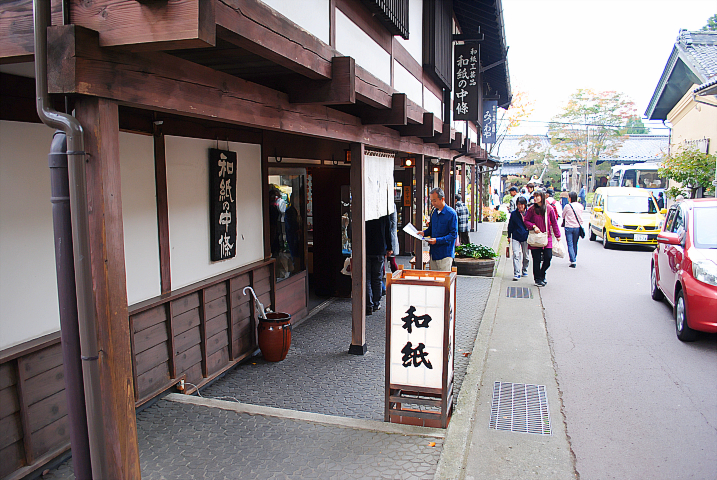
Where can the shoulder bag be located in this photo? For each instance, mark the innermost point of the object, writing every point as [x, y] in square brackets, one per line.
[582, 230]
[558, 248]
[539, 240]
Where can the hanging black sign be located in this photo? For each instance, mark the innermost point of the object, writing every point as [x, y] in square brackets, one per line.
[465, 83]
[222, 203]
[490, 120]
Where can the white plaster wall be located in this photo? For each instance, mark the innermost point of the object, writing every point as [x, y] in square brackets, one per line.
[139, 215]
[188, 198]
[693, 121]
[414, 44]
[432, 103]
[353, 42]
[311, 15]
[28, 284]
[404, 82]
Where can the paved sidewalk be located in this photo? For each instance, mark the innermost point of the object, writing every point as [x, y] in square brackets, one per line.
[513, 346]
[317, 414]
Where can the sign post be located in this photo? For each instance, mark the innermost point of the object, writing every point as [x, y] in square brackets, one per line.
[420, 347]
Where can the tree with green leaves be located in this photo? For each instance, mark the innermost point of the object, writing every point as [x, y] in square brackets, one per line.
[533, 151]
[591, 124]
[691, 168]
[711, 24]
[635, 126]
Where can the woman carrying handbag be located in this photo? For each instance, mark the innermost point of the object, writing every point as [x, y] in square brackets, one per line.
[574, 230]
[541, 219]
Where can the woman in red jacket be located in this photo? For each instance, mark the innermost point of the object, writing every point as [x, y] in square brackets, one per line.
[535, 220]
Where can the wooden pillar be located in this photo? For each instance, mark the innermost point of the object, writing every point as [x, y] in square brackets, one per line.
[480, 194]
[448, 182]
[160, 178]
[358, 251]
[100, 120]
[407, 209]
[474, 194]
[464, 171]
[420, 189]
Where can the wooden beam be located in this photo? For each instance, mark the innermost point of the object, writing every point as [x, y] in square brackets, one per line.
[164, 83]
[149, 26]
[456, 143]
[257, 28]
[396, 115]
[358, 251]
[17, 40]
[414, 112]
[445, 137]
[430, 127]
[100, 120]
[372, 91]
[340, 90]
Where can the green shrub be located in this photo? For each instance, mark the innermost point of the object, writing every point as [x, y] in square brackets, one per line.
[471, 250]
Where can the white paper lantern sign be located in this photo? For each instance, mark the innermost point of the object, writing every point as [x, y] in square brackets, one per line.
[419, 348]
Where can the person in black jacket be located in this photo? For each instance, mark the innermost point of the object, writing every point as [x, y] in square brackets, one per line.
[518, 238]
[378, 245]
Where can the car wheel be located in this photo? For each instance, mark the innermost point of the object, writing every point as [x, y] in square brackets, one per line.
[593, 237]
[605, 243]
[684, 332]
[655, 291]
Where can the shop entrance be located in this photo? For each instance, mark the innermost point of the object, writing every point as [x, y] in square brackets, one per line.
[309, 229]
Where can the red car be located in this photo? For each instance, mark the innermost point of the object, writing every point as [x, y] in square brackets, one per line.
[684, 266]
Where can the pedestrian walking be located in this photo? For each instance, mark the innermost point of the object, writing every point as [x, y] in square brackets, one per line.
[573, 225]
[378, 245]
[513, 191]
[541, 217]
[518, 238]
[660, 201]
[495, 199]
[442, 232]
[529, 193]
[550, 200]
[393, 228]
[564, 198]
[463, 219]
[582, 196]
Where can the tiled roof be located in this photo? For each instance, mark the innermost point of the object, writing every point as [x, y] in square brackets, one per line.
[693, 60]
[637, 148]
[702, 47]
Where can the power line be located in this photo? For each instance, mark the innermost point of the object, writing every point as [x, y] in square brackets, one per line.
[589, 124]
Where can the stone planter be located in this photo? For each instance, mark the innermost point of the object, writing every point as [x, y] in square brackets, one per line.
[477, 267]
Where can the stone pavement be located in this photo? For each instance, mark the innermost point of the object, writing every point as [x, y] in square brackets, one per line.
[179, 440]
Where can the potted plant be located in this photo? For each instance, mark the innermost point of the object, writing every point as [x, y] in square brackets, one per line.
[475, 260]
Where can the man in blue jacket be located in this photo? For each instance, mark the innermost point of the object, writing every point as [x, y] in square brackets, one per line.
[518, 238]
[442, 232]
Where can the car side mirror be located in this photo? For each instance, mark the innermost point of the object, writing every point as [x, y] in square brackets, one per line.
[663, 211]
[597, 209]
[668, 238]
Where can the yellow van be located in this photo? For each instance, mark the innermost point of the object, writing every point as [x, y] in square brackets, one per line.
[625, 215]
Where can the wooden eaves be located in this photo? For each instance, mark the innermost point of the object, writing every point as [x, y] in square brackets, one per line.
[137, 71]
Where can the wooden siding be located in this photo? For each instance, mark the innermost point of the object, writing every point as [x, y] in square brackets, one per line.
[291, 296]
[33, 408]
[195, 333]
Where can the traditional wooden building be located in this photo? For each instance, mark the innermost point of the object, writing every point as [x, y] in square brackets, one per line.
[305, 113]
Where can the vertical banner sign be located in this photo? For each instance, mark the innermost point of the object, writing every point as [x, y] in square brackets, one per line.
[222, 203]
[465, 83]
[490, 120]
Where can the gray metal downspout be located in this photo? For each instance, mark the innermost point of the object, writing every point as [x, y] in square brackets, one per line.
[80, 240]
[67, 299]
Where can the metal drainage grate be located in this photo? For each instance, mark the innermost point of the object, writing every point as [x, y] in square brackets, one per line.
[519, 407]
[519, 292]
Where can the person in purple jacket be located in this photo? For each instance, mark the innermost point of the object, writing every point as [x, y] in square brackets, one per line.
[535, 220]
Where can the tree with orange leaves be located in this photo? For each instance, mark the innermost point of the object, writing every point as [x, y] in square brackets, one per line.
[591, 124]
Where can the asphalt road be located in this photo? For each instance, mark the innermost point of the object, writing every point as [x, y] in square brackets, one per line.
[638, 403]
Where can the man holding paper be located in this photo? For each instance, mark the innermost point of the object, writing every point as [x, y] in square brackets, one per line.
[442, 232]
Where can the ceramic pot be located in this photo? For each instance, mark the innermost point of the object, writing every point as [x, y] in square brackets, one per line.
[275, 336]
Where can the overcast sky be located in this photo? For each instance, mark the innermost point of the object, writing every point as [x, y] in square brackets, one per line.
[558, 46]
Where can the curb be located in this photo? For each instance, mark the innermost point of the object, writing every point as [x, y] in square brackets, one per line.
[355, 423]
[456, 446]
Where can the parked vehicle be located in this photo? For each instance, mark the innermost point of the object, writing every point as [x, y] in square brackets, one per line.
[684, 266]
[625, 215]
